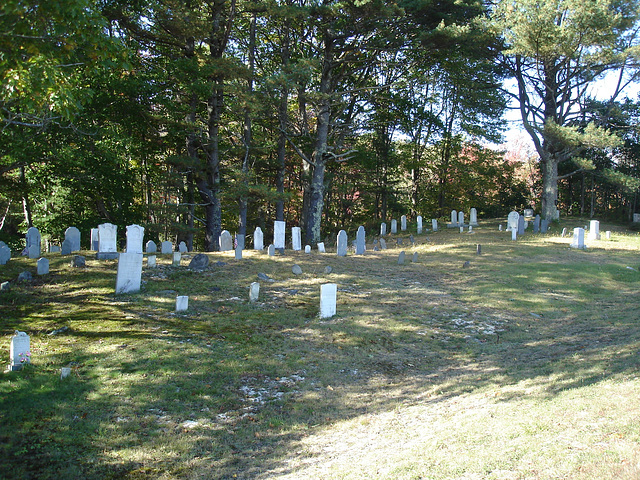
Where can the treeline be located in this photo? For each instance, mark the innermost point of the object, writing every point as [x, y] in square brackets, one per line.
[189, 117]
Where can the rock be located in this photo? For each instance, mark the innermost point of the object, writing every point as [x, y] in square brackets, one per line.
[25, 277]
[466, 264]
[59, 330]
[199, 262]
[78, 261]
[265, 277]
[328, 269]
[220, 264]
[296, 270]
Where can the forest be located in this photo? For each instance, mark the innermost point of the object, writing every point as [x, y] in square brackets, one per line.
[194, 116]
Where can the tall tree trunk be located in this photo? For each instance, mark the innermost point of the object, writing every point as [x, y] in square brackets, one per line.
[283, 121]
[550, 189]
[26, 202]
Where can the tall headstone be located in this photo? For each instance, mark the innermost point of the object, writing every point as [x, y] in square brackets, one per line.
[403, 223]
[544, 225]
[258, 239]
[42, 266]
[33, 240]
[342, 243]
[166, 247]
[226, 241]
[360, 241]
[151, 247]
[383, 229]
[296, 238]
[434, 224]
[536, 224]
[94, 239]
[254, 292]
[473, 217]
[454, 220]
[521, 225]
[279, 233]
[135, 238]
[182, 303]
[238, 253]
[394, 226]
[107, 241]
[461, 218]
[512, 221]
[5, 254]
[321, 247]
[72, 234]
[401, 258]
[20, 350]
[578, 238]
[328, 298]
[66, 248]
[182, 247]
[129, 274]
[419, 225]
[594, 230]
[240, 240]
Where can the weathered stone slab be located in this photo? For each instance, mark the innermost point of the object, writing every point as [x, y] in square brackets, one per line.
[129, 274]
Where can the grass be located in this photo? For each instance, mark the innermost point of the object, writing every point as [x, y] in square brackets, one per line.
[523, 364]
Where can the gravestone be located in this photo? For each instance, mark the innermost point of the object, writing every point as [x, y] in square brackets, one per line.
[403, 223]
[328, 269]
[240, 238]
[129, 274]
[473, 217]
[307, 249]
[394, 226]
[25, 277]
[135, 238]
[528, 212]
[238, 253]
[177, 258]
[636, 218]
[328, 298]
[107, 241]
[54, 249]
[401, 258]
[271, 250]
[412, 240]
[33, 240]
[182, 247]
[564, 232]
[461, 229]
[66, 248]
[5, 286]
[254, 291]
[226, 241]
[20, 350]
[512, 221]
[321, 247]
[166, 247]
[151, 261]
[42, 266]
[72, 234]
[454, 220]
[151, 247]
[470, 229]
[478, 249]
[415, 257]
[578, 238]
[434, 224]
[296, 238]
[608, 234]
[296, 270]
[279, 233]
[461, 218]
[258, 239]
[419, 225]
[536, 224]
[383, 229]
[199, 262]
[500, 227]
[78, 261]
[94, 239]
[182, 303]
[383, 244]
[360, 241]
[521, 225]
[342, 243]
[5, 254]
[594, 230]
[514, 234]
[544, 225]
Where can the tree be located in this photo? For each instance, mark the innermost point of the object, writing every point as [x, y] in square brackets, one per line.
[556, 50]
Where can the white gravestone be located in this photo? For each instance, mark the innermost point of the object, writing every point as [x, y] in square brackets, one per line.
[321, 247]
[514, 234]
[307, 249]
[401, 258]
[360, 241]
[512, 221]
[182, 247]
[608, 234]
[473, 217]
[528, 212]
[461, 218]
[94, 239]
[129, 274]
[135, 237]
[342, 243]
[279, 233]
[394, 226]
[151, 261]
[383, 229]
[151, 247]
[107, 241]
[254, 292]
[594, 230]
[42, 266]
[177, 258]
[578, 238]
[454, 219]
[226, 241]
[271, 250]
[20, 350]
[296, 238]
[328, 297]
[419, 224]
[33, 240]
[72, 234]
[403, 223]
[434, 224]
[258, 239]
[166, 247]
[182, 303]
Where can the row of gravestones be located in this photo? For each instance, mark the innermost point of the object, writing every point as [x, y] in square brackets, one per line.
[457, 219]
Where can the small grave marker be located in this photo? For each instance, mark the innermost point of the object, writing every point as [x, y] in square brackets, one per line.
[20, 350]
[254, 291]
[328, 297]
[401, 258]
[177, 258]
[43, 266]
[151, 261]
[182, 303]
[321, 247]
[166, 247]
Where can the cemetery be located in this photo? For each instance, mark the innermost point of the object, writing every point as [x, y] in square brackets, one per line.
[430, 354]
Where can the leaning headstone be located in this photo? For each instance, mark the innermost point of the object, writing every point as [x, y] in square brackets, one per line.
[182, 303]
[33, 240]
[383, 244]
[594, 230]
[20, 350]
[254, 291]
[419, 225]
[166, 247]
[401, 258]
[177, 258]
[72, 234]
[461, 218]
[512, 221]
[66, 248]
[578, 238]
[434, 224]
[135, 238]
[199, 262]
[321, 247]
[151, 261]
[307, 249]
[328, 297]
[129, 274]
[78, 261]
[151, 247]
[107, 241]
[5, 254]
[182, 247]
[279, 233]
[94, 239]
[271, 250]
[521, 225]
[226, 241]
[258, 239]
[454, 220]
[473, 217]
[296, 270]
[383, 229]
[394, 226]
[296, 238]
[360, 241]
[42, 266]
[536, 224]
[403, 223]
[342, 243]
